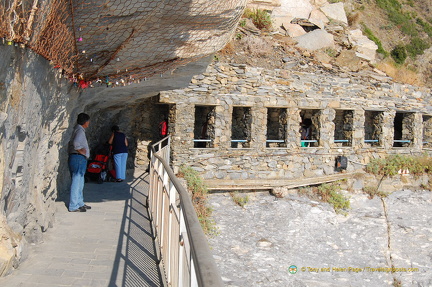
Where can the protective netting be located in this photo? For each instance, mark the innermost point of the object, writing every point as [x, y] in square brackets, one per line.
[120, 41]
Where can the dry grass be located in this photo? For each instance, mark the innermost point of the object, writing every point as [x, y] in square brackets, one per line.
[229, 49]
[400, 74]
[354, 19]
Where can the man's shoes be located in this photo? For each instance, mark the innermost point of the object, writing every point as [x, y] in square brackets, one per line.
[119, 180]
[86, 206]
[81, 209]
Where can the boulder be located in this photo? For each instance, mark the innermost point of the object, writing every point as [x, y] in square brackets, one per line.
[315, 40]
[349, 60]
[294, 8]
[318, 18]
[281, 23]
[319, 3]
[365, 48]
[294, 30]
[335, 11]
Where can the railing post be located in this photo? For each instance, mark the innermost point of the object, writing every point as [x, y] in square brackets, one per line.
[182, 243]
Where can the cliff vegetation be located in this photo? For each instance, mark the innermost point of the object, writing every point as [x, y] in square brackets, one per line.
[401, 30]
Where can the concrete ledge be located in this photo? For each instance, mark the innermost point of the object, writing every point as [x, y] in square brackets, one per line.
[257, 184]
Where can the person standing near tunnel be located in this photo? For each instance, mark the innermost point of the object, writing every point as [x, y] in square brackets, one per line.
[119, 144]
[79, 152]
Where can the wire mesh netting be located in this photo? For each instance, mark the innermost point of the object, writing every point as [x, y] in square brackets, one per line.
[120, 41]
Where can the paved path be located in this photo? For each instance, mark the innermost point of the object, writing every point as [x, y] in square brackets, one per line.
[109, 245]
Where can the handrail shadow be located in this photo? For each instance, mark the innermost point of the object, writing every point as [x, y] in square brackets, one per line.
[135, 260]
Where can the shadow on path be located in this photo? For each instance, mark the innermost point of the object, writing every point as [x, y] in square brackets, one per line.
[109, 245]
[135, 258]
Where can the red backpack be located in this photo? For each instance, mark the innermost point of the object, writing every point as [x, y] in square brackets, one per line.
[163, 128]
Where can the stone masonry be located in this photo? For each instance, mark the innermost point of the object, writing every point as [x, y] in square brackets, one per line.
[369, 103]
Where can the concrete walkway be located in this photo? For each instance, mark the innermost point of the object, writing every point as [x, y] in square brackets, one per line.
[109, 245]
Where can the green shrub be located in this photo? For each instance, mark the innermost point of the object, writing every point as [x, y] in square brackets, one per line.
[399, 54]
[199, 191]
[416, 47]
[331, 52]
[240, 200]
[409, 28]
[260, 18]
[248, 13]
[389, 5]
[397, 16]
[331, 193]
[427, 28]
[391, 165]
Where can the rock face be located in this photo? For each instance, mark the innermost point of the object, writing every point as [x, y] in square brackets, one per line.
[335, 11]
[33, 129]
[120, 43]
[258, 244]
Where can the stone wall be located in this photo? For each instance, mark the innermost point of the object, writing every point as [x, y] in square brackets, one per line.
[360, 107]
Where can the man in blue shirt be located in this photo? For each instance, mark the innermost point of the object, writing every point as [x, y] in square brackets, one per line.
[79, 152]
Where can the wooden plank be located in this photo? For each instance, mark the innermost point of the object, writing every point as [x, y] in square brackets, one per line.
[257, 184]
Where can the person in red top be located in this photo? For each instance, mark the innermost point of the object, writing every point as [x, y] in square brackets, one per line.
[119, 144]
[163, 128]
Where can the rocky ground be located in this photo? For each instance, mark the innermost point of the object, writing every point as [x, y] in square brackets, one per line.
[258, 244]
[274, 49]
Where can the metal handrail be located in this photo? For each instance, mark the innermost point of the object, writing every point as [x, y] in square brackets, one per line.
[275, 141]
[183, 247]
